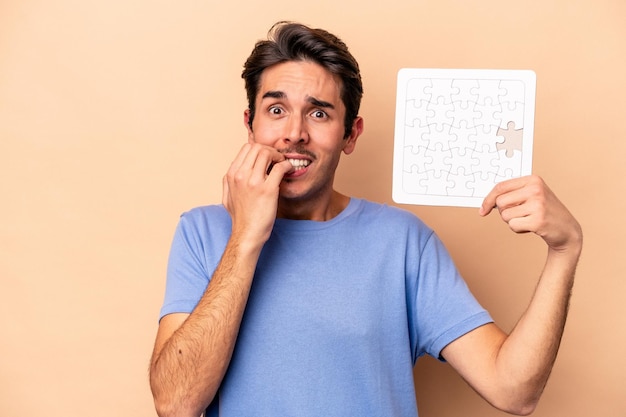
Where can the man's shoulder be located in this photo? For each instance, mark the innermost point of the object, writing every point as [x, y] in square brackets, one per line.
[207, 210]
[387, 213]
[205, 216]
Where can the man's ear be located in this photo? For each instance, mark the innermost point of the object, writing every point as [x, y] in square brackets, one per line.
[246, 121]
[350, 141]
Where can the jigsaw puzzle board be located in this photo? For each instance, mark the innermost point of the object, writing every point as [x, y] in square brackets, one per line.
[458, 132]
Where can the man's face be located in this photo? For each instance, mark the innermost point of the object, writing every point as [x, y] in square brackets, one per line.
[300, 113]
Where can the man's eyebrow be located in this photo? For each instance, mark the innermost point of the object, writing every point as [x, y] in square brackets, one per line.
[320, 103]
[274, 94]
[314, 101]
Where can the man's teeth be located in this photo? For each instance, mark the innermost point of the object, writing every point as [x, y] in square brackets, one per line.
[299, 163]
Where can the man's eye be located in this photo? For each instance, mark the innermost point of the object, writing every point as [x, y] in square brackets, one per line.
[276, 110]
[318, 114]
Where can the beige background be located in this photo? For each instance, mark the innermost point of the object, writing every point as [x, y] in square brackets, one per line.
[117, 116]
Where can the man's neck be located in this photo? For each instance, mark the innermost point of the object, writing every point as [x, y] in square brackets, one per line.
[318, 210]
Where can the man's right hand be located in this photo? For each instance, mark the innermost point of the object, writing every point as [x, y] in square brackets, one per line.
[251, 192]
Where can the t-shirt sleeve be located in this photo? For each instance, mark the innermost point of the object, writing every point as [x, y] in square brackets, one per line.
[197, 247]
[445, 308]
[187, 276]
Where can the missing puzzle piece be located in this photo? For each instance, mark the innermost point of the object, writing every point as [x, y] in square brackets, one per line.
[512, 139]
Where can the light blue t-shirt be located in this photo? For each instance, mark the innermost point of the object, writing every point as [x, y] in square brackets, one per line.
[339, 311]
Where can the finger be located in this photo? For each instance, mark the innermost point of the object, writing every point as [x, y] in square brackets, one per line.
[514, 198]
[237, 163]
[258, 161]
[520, 224]
[496, 198]
[490, 200]
[244, 167]
[519, 218]
[524, 209]
[266, 160]
[278, 171]
[225, 193]
[527, 217]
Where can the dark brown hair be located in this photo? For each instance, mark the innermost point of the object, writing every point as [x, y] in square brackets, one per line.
[287, 41]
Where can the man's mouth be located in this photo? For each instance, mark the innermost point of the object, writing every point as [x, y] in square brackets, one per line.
[298, 164]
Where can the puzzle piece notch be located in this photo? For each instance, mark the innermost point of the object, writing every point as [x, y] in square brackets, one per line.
[439, 160]
[467, 90]
[511, 112]
[463, 134]
[515, 91]
[414, 136]
[416, 158]
[462, 183]
[488, 138]
[417, 110]
[485, 155]
[441, 89]
[434, 137]
[488, 89]
[440, 117]
[412, 181]
[436, 184]
[508, 166]
[483, 183]
[464, 111]
[462, 159]
[489, 111]
[415, 89]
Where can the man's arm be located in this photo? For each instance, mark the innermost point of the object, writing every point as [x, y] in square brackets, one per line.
[192, 351]
[510, 371]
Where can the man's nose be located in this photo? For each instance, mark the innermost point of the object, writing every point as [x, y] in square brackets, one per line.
[296, 130]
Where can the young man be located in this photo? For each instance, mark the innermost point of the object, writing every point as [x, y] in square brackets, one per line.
[291, 299]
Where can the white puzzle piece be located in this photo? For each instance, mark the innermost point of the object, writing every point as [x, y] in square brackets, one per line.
[458, 132]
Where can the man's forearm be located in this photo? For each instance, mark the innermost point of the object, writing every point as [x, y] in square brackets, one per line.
[526, 357]
[188, 367]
